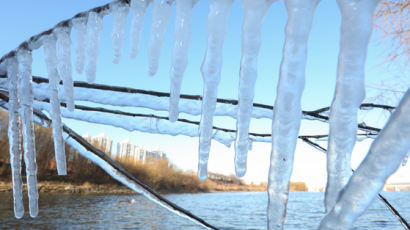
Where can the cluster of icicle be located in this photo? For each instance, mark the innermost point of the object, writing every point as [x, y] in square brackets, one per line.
[342, 207]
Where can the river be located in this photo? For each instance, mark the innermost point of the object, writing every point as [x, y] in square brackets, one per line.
[240, 210]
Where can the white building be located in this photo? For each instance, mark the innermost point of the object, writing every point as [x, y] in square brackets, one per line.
[126, 149]
[101, 140]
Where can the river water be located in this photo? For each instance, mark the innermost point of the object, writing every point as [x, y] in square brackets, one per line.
[240, 210]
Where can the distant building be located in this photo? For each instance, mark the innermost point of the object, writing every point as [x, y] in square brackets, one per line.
[126, 149]
[101, 141]
[396, 187]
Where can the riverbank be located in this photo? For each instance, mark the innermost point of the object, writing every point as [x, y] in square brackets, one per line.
[90, 188]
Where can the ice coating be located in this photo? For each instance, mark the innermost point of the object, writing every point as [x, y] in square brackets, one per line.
[356, 29]
[370, 177]
[179, 62]
[25, 90]
[161, 12]
[138, 8]
[80, 27]
[95, 26]
[187, 106]
[255, 12]
[120, 12]
[14, 138]
[211, 74]
[49, 44]
[143, 124]
[288, 111]
[64, 64]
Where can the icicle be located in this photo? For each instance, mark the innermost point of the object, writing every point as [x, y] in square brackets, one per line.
[406, 159]
[287, 116]
[64, 64]
[211, 75]
[14, 138]
[373, 172]
[138, 8]
[182, 39]
[80, 26]
[95, 26]
[255, 12]
[161, 13]
[25, 90]
[355, 33]
[120, 11]
[49, 45]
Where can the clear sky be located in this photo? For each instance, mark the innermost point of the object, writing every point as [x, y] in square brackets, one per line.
[21, 19]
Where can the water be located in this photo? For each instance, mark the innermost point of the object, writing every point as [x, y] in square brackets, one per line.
[243, 210]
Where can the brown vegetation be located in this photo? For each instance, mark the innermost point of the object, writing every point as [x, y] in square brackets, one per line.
[161, 175]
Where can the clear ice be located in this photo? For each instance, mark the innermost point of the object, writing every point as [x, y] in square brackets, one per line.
[120, 12]
[287, 115]
[25, 90]
[80, 27]
[179, 62]
[255, 12]
[211, 74]
[95, 26]
[356, 29]
[64, 64]
[138, 8]
[161, 12]
[371, 175]
[49, 45]
[14, 138]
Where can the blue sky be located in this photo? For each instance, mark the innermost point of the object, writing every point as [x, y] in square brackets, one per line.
[21, 19]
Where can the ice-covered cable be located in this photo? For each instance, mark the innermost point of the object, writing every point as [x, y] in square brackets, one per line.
[384, 157]
[25, 90]
[211, 74]
[179, 62]
[14, 138]
[143, 124]
[95, 26]
[356, 29]
[138, 8]
[119, 176]
[255, 12]
[80, 27]
[120, 12]
[287, 116]
[161, 12]
[49, 44]
[64, 64]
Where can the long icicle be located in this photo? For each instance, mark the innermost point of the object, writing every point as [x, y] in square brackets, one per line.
[25, 89]
[49, 44]
[356, 29]
[14, 138]
[255, 12]
[287, 115]
[95, 26]
[120, 12]
[384, 157]
[161, 12]
[64, 64]
[211, 74]
[182, 40]
[138, 8]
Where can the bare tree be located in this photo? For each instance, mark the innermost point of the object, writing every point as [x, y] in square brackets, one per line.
[392, 18]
